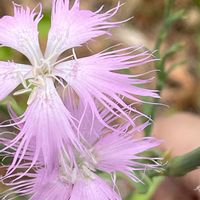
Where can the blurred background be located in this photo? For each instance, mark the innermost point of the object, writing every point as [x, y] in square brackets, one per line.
[172, 28]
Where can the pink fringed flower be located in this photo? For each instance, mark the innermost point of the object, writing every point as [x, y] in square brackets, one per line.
[107, 152]
[94, 79]
[46, 121]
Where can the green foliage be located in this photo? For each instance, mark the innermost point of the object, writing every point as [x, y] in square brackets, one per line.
[5, 53]
[153, 185]
[197, 3]
[170, 17]
[44, 25]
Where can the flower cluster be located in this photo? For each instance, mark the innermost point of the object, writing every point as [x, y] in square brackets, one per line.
[69, 134]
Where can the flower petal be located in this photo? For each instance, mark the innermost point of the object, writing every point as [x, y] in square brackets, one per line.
[95, 77]
[39, 185]
[11, 75]
[48, 125]
[89, 127]
[20, 32]
[118, 153]
[90, 189]
[50, 186]
[72, 27]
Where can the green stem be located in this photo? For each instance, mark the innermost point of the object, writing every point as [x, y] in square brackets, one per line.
[169, 18]
[181, 165]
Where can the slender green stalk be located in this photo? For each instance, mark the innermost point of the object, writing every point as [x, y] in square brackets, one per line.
[181, 165]
[169, 18]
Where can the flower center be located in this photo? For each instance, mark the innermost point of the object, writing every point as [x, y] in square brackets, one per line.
[85, 167]
[39, 73]
[42, 70]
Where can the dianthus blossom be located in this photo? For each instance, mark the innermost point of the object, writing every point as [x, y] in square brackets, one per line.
[107, 152]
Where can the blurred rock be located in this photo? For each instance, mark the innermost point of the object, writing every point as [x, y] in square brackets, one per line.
[182, 89]
[131, 36]
[170, 189]
[192, 19]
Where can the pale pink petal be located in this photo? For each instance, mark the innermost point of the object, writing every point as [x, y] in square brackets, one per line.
[20, 32]
[73, 26]
[51, 187]
[93, 189]
[95, 80]
[11, 75]
[119, 153]
[87, 124]
[48, 124]
[39, 185]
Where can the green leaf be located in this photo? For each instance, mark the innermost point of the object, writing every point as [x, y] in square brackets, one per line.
[10, 100]
[197, 3]
[5, 53]
[175, 16]
[44, 25]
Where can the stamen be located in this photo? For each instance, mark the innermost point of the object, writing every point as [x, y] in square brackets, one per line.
[22, 91]
[74, 175]
[31, 97]
[74, 54]
[59, 81]
[88, 172]
[39, 81]
[62, 60]
[23, 81]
